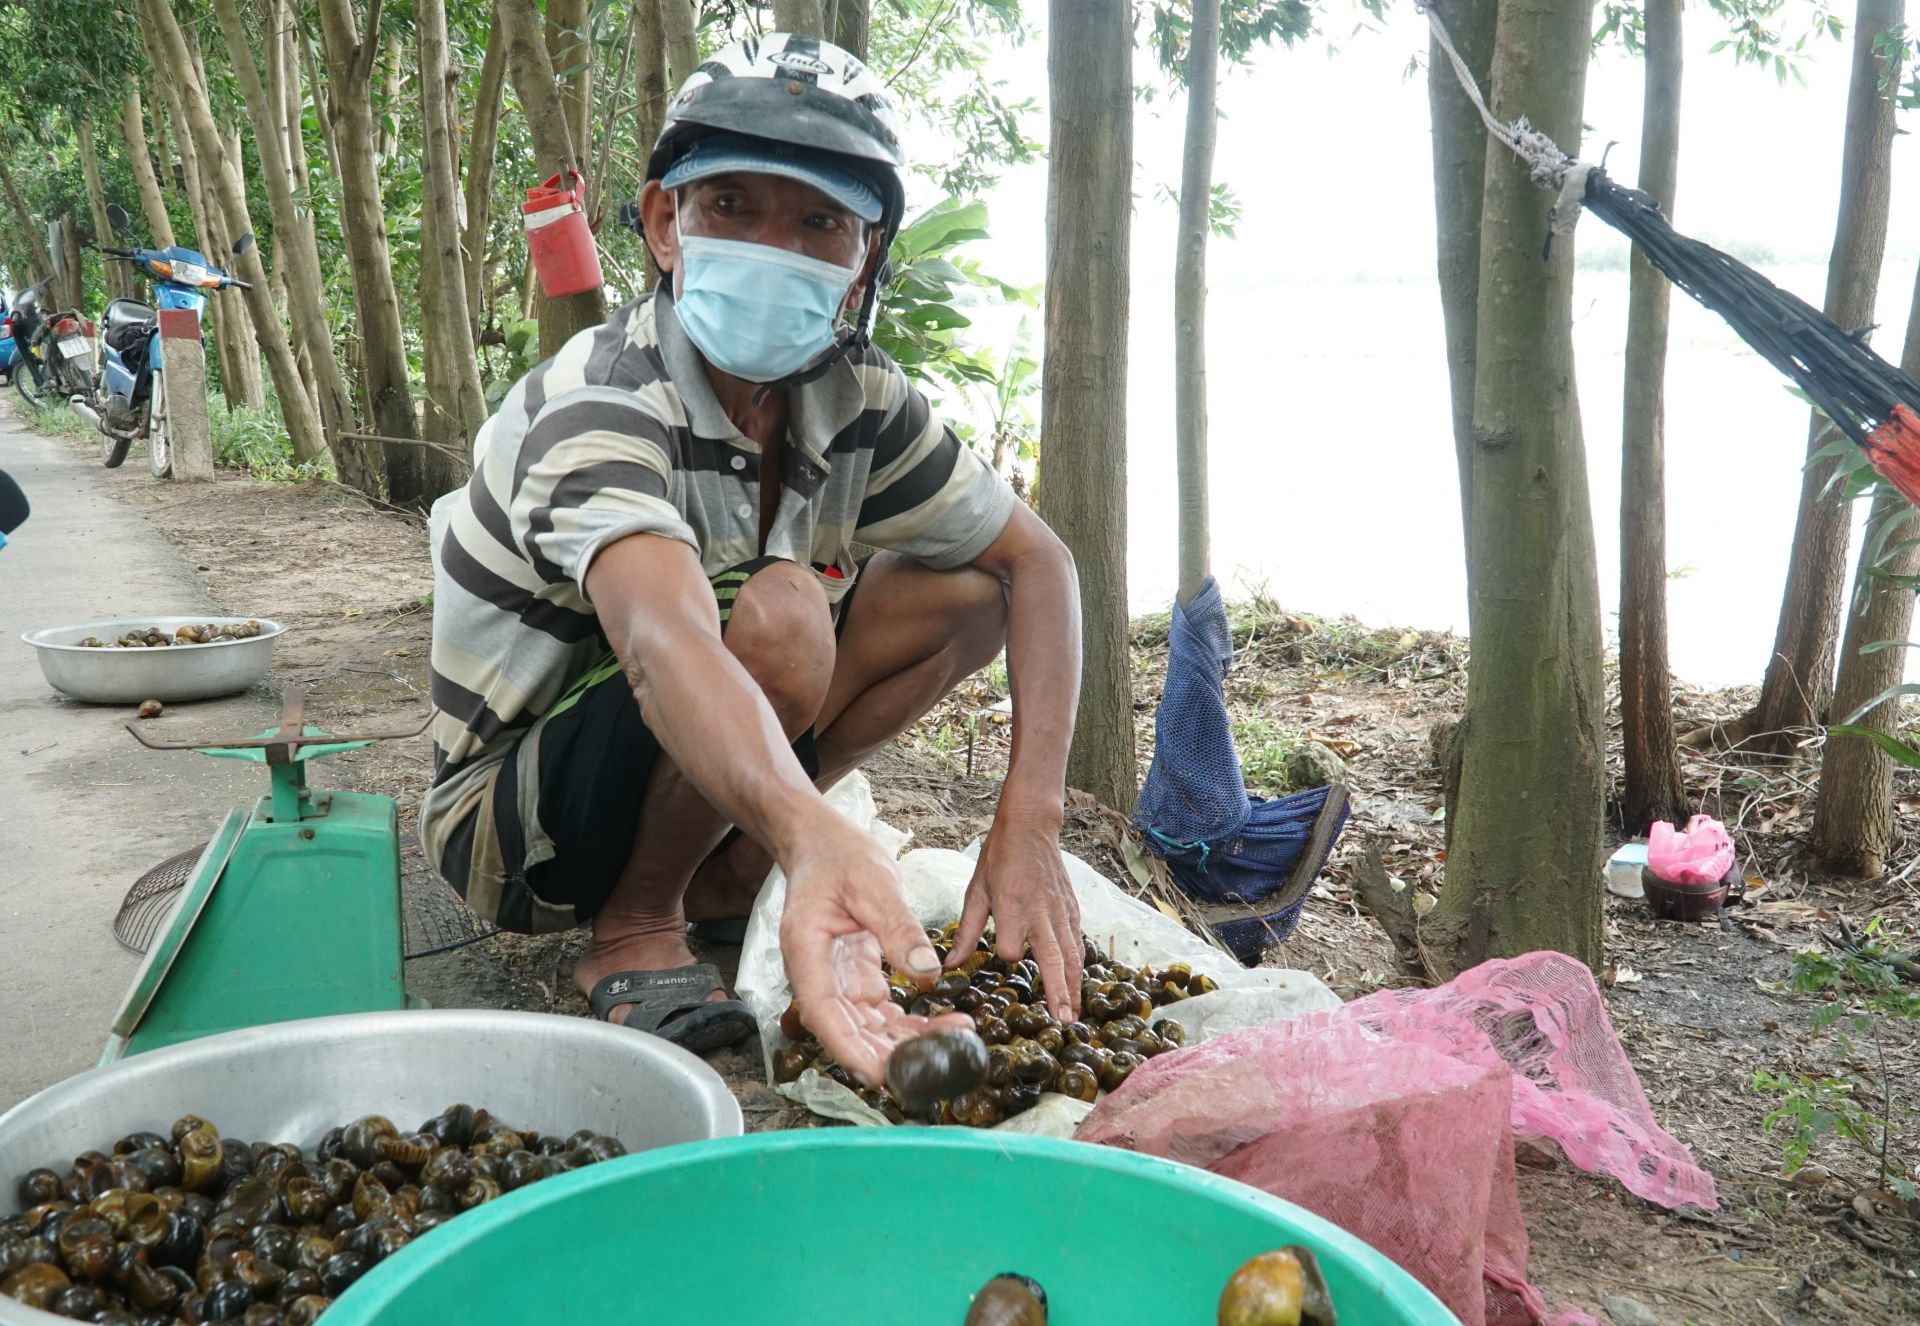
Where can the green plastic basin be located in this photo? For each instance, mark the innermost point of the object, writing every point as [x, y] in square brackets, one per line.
[894, 1226]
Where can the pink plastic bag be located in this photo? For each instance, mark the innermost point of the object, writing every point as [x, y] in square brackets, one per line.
[1394, 1117]
[1701, 855]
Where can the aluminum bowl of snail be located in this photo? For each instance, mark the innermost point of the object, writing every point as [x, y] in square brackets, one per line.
[868, 1225]
[130, 659]
[542, 1095]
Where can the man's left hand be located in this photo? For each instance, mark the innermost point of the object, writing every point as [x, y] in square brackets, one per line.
[1022, 884]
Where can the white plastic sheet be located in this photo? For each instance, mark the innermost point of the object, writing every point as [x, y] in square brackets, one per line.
[935, 882]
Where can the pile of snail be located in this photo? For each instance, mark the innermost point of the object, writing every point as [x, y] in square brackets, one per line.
[152, 637]
[1027, 1052]
[192, 1228]
[1279, 1288]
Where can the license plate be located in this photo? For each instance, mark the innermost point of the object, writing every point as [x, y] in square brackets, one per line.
[74, 346]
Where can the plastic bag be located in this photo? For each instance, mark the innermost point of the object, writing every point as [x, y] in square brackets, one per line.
[1393, 1116]
[1701, 855]
[935, 883]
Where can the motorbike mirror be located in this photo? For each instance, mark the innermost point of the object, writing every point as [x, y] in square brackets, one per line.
[121, 218]
[630, 216]
[242, 244]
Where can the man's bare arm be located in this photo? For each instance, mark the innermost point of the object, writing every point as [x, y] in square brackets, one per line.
[1020, 881]
[843, 906]
[656, 607]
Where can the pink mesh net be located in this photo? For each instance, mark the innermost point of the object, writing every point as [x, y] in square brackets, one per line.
[1394, 1117]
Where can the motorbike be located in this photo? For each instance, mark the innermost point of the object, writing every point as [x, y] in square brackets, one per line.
[9, 357]
[56, 359]
[130, 399]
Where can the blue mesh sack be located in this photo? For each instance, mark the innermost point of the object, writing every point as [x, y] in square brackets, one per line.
[1249, 862]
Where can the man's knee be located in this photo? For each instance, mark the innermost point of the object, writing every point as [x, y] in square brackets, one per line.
[782, 632]
[979, 619]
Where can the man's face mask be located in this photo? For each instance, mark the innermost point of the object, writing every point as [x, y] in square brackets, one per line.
[757, 312]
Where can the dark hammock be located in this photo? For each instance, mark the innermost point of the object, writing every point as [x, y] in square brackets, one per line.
[1867, 398]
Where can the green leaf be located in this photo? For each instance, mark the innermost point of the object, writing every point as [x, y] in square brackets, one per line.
[1893, 746]
[1891, 693]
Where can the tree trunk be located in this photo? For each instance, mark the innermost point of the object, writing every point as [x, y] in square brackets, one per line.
[1083, 464]
[851, 19]
[531, 69]
[387, 121]
[1459, 175]
[1523, 868]
[680, 20]
[311, 63]
[114, 273]
[302, 420]
[616, 91]
[453, 393]
[1853, 818]
[1653, 789]
[482, 145]
[1799, 681]
[236, 316]
[152, 204]
[1190, 296]
[35, 232]
[572, 56]
[806, 17]
[172, 176]
[287, 102]
[239, 365]
[72, 256]
[389, 396]
[284, 89]
[650, 93]
[296, 252]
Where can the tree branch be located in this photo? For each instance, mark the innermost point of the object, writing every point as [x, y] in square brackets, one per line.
[369, 48]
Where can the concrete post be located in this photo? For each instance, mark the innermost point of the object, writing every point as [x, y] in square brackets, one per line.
[183, 360]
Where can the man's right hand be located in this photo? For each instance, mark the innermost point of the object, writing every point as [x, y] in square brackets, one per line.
[843, 911]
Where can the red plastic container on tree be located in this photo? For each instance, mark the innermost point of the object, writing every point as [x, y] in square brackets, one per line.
[558, 239]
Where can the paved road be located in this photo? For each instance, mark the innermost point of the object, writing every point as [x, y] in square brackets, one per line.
[83, 809]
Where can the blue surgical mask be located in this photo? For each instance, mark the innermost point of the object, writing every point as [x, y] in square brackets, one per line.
[758, 312]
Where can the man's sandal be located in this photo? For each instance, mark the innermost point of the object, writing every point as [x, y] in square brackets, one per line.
[730, 932]
[673, 1005]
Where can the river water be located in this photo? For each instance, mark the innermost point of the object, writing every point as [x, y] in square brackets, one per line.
[1334, 485]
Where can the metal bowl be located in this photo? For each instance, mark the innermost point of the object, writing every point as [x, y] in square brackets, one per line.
[291, 1081]
[128, 676]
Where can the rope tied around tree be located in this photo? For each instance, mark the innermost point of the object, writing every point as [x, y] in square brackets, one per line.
[1874, 403]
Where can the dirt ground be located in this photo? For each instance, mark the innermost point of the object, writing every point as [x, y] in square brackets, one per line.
[1698, 1007]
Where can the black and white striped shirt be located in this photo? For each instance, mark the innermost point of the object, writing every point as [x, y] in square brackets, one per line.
[620, 434]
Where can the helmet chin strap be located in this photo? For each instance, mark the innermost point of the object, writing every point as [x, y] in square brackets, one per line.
[855, 337]
[849, 338]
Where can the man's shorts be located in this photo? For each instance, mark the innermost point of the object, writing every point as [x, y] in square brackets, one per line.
[565, 808]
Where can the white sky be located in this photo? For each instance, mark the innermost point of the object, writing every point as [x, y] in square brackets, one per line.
[1328, 148]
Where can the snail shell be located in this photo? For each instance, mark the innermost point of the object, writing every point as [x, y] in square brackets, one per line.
[1279, 1288]
[791, 1062]
[1078, 1081]
[1008, 1300]
[37, 1186]
[1117, 1069]
[306, 1310]
[937, 1066]
[360, 1141]
[202, 1155]
[33, 1283]
[407, 1150]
